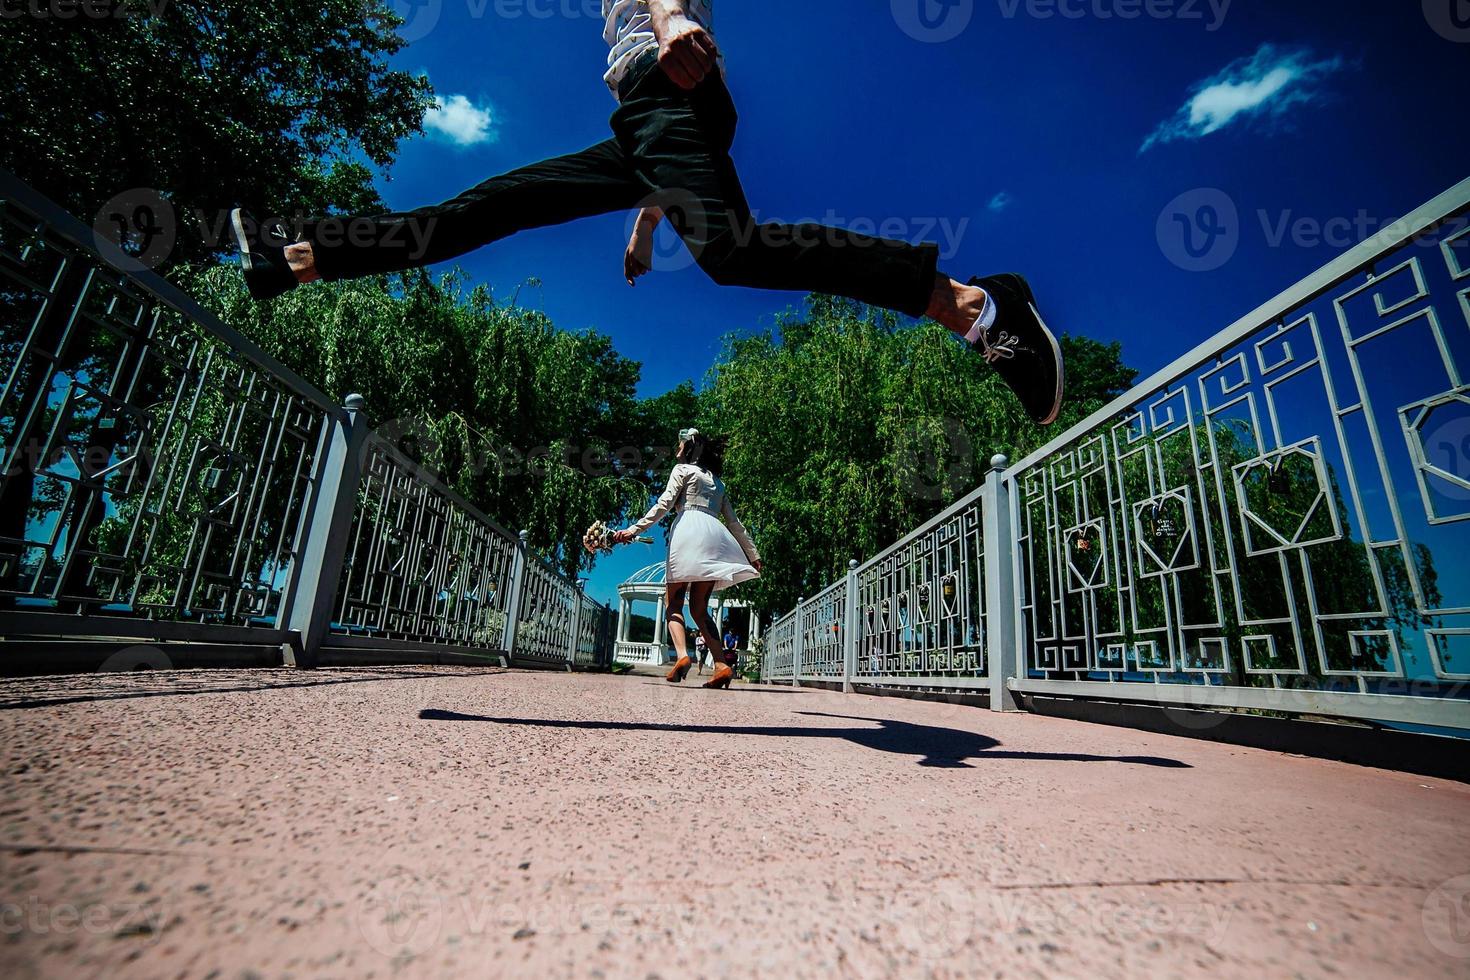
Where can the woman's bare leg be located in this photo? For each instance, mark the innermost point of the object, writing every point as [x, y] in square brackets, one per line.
[674, 616]
[699, 593]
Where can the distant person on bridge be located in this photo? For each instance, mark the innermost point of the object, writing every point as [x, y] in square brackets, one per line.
[705, 555]
[701, 651]
[670, 156]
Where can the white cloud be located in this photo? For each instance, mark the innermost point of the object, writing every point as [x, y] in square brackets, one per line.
[460, 121]
[1001, 201]
[1264, 85]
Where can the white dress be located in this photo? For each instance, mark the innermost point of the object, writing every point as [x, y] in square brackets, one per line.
[701, 548]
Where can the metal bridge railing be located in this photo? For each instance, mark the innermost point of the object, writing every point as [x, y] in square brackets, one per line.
[1279, 520]
[164, 479]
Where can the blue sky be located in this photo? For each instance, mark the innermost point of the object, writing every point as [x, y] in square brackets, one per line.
[1044, 136]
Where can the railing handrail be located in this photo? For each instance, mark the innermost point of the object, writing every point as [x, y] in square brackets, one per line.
[1435, 212]
[67, 226]
[1422, 219]
[432, 480]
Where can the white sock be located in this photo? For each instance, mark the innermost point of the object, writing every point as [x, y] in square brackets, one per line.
[984, 321]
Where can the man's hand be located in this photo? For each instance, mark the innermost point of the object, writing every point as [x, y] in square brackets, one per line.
[623, 536]
[638, 259]
[686, 51]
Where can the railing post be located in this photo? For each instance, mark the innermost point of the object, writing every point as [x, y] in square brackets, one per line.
[1000, 587]
[576, 624]
[850, 628]
[513, 601]
[796, 645]
[311, 593]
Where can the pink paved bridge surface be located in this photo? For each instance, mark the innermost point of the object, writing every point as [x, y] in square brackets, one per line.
[460, 822]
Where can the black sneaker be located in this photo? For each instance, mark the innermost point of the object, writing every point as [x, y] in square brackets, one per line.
[262, 256]
[1020, 347]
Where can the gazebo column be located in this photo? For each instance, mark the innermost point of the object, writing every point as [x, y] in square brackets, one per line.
[624, 610]
[660, 632]
[755, 627]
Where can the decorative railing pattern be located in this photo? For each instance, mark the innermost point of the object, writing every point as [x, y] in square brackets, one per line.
[821, 622]
[548, 606]
[780, 648]
[422, 564]
[151, 468]
[164, 478]
[922, 604]
[1277, 521]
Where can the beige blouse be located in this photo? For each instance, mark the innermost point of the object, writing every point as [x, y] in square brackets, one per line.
[692, 487]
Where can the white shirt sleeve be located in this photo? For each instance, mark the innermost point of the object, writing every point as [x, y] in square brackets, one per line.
[665, 502]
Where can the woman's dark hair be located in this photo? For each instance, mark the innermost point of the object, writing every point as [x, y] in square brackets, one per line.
[706, 453]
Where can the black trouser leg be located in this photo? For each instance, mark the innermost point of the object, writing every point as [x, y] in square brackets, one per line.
[678, 143]
[579, 185]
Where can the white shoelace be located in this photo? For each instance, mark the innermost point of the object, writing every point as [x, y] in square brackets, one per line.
[1004, 349]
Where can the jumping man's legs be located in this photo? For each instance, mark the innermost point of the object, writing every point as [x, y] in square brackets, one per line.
[595, 181]
[678, 143]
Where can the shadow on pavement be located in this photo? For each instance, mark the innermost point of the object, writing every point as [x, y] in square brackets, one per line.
[693, 685]
[944, 748]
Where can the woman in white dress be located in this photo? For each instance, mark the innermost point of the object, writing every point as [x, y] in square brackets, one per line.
[705, 555]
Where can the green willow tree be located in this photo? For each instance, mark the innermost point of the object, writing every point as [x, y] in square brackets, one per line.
[539, 427]
[847, 430]
[205, 105]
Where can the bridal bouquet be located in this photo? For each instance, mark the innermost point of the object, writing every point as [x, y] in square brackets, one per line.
[599, 537]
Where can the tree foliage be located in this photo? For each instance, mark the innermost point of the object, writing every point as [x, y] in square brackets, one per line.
[539, 427]
[846, 431]
[211, 104]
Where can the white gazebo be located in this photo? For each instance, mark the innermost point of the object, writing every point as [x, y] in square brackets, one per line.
[647, 585]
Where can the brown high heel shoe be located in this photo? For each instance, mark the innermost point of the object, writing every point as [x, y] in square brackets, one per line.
[676, 676]
[724, 674]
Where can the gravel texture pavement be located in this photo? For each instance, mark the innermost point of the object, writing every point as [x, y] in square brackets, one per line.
[446, 822]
